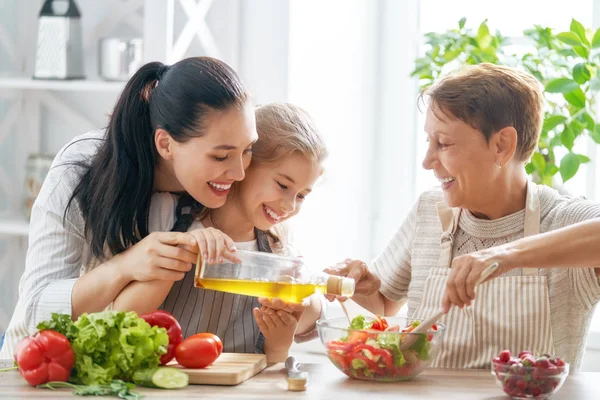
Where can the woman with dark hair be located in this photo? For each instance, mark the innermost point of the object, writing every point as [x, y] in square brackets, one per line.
[185, 128]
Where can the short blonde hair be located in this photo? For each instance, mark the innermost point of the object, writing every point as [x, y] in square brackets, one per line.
[490, 97]
[285, 129]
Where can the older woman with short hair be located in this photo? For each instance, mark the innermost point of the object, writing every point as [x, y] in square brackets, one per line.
[483, 124]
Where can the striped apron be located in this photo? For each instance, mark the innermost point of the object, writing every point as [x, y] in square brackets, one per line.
[510, 312]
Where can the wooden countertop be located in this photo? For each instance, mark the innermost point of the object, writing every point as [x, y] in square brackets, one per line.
[326, 382]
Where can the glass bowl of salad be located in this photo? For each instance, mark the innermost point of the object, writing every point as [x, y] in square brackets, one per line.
[369, 349]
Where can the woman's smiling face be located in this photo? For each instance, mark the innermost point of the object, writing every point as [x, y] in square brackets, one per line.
[461, 159]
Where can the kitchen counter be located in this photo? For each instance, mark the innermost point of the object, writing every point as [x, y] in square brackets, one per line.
[326, 382]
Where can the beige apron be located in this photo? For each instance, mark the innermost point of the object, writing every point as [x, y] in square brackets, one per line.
[510, 312]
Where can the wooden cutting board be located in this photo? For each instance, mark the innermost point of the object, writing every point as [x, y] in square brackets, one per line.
[229, 369]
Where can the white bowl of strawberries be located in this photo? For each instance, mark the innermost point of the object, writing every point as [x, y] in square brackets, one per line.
[528, 376]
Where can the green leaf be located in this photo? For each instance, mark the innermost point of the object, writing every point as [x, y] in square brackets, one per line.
[538, 162]
[579, 30]
[552, 170]
[576, 127]
[589, 122]
[595, 134]
[461, 23]
[561, 85]
[582, 51]
[569, 38]
[596, 40]
[576, 98]
[581, 73]
[452, 54]
[552, 122]
[529, 168]
[567, 138]
[555, 141]
[484, 39]
[583, 159]
[569, 165]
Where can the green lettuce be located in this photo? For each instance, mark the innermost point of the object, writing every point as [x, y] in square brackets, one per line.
[111, 345]
[391, 342]
[421, 346]
[358, 322]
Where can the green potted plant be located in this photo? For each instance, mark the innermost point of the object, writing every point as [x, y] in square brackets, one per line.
[567, 66]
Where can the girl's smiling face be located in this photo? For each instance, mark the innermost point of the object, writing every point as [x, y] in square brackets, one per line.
[274, 192]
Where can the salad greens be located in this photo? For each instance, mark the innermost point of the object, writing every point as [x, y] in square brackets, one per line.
[109, 345]
[116, 388]
[372, 351]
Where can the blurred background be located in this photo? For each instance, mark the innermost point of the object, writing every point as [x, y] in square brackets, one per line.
[356, 65]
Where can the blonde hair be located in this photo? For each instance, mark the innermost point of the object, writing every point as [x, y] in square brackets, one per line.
[285, 129]
[491, 97]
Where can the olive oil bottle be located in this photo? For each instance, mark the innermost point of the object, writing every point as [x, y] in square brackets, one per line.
[269, 275]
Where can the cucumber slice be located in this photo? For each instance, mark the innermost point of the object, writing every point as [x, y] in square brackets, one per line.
[161, 377]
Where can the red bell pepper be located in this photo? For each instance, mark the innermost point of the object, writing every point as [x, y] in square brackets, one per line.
[163, 319]
[380, 324]
[45, 357]
[385, 355]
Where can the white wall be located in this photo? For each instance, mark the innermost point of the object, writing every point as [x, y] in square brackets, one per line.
[247, 33]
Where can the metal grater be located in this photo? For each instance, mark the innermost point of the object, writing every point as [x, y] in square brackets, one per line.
[59, 52]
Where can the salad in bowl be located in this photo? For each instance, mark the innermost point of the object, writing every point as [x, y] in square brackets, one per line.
[370, 348]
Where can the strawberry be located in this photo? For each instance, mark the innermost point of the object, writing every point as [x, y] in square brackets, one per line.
[521, 384]
[543, 363]
[553, 370]
[528, 360]
[504, 356]
[558, 362]
[536, 391]
[524, 353]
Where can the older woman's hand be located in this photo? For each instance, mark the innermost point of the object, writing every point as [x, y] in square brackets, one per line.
[466, 271]
[366, 282]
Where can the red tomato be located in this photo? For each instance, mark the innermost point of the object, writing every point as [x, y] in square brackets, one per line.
[211, 336]
[197, 352]
[358, 337]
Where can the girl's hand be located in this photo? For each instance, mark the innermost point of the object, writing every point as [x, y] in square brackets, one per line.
[282, 305]
[278, 328]
[159, 256]
[466, 271]
[214, 245]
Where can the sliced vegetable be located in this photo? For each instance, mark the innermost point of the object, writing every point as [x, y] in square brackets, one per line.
[373, 351]
[45, 357]
[163, 319]
[380, 324]
[161, 377]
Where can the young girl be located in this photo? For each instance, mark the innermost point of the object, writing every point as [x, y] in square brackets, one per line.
[183, 128]
[286, 164]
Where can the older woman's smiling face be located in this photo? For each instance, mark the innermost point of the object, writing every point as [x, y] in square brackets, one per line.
[462, 159]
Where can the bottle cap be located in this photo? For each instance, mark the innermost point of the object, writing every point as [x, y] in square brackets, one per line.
[340, 286]
[348, 286]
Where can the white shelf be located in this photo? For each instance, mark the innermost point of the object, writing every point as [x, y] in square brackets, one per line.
[82, 85]
[15, 226]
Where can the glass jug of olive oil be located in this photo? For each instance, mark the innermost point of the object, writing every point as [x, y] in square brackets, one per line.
[268, 275]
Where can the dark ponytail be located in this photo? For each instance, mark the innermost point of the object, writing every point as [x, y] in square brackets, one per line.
[116, 187]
